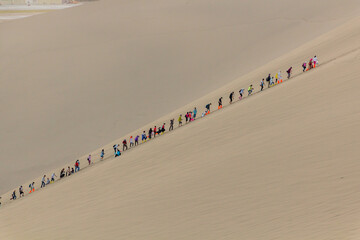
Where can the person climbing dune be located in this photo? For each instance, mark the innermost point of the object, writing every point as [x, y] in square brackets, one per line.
[150, 133]
[143, 136]
[208, 108]
[268, 78]
[304, 66]
[220, 102]
[250, 89]
[131, 141]
[241, 92]
[89, 159]
[137, 140]
[231, 96]
[102, 154]
[171, 124]
[289, 71]
[180, 120]
[262, 83]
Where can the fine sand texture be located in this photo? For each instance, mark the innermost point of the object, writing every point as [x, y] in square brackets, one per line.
[281, 164]
[76, 79]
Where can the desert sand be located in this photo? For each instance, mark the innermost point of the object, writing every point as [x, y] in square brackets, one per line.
[76, 79]
[282, 164]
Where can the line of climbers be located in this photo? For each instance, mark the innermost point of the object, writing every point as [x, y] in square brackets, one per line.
[158, 131]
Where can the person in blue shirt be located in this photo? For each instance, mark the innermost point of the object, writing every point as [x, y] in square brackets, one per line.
[102, 154]
[194, 112]
[143, 137]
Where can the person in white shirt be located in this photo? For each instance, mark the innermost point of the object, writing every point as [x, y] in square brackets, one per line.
[53, 177]
[315, 61]
[131, 141]
[43, 181]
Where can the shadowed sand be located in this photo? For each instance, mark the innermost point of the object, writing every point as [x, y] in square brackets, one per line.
[74, 80]
[282, 164]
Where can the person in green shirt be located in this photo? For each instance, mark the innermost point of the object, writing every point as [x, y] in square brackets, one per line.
[250, 89]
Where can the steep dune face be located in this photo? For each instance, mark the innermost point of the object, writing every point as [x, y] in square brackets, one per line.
[74, 80]
[282, 164]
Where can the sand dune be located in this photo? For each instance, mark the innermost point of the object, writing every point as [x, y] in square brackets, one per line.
[282, 164]
[74, 80]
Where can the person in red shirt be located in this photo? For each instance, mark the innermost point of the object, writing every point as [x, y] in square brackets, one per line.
[125, 145]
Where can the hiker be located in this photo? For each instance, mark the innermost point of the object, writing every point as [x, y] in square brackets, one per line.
[131, 141]
[262, 84]
[171, 125]
[43, 181]
[289, 71]
[159, 131]
[208, 108]
[143, 137]
[268, 80]
[154, 131]
[68, 171]
[186, 117]
[118, 153]
[310, 64]
[195, 112]
[32, 188]
[241, 92]
[53, 177]
[102, 154]
[47, 181]
[150, 133]
[279, 76]
[72, 170]
[62, 173]
[21, 191]
[304, 66]
[137, 140]
[124, 145]
[220, 102]
[163, 129]
[115, 147]
[272, 81]
[315, 61]
[190, 116]
[77, 165]
[250, 89]
[231, 97]
[180, 120]
[13, 195]
[89, 159]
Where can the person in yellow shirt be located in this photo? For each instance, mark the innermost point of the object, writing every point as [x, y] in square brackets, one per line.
[180, 120]
[250, 89]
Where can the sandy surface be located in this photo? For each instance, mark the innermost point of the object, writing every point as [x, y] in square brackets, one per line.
[282, 164]
[80, 78]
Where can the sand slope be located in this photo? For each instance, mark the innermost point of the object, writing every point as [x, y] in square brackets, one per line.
[74, 80]
[282, 164]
